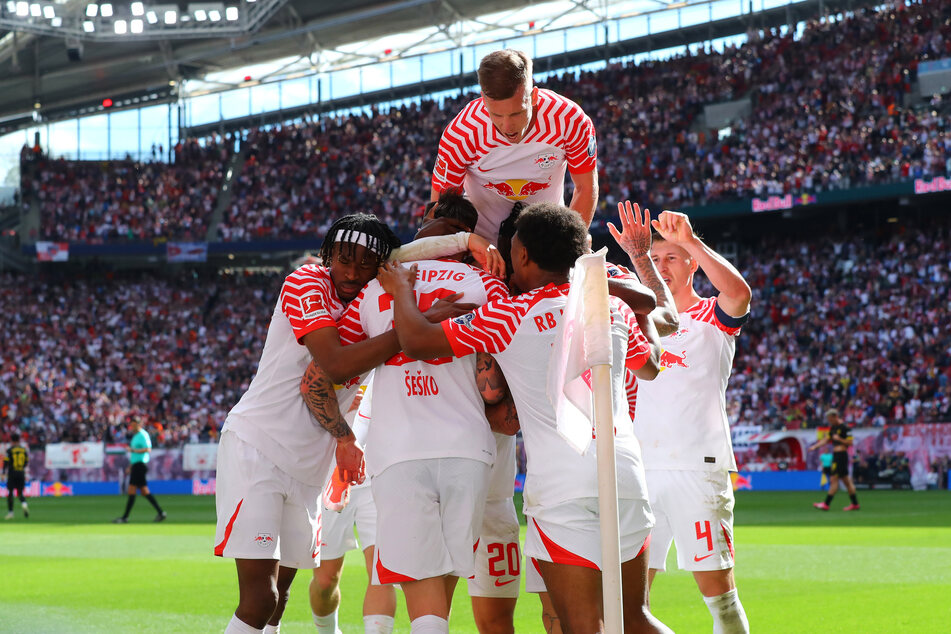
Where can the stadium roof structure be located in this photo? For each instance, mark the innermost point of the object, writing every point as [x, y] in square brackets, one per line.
[62, 58]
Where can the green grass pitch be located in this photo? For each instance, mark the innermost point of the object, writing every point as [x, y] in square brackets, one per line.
[886, 568]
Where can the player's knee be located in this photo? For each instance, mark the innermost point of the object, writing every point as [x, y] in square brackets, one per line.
[495, 623]
[257, 607]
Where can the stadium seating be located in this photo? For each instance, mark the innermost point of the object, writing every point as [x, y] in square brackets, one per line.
[831, 109]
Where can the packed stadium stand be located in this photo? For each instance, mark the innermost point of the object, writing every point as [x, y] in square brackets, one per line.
[831, 108]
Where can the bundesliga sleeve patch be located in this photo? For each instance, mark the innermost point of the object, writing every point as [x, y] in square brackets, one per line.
[592, 146]
[464, 320]
[311, 307]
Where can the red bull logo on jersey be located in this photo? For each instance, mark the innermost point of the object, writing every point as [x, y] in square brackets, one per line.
[346, 385]
[516, 189]
[670, 359]
[547, 160]
[263, 540]
[741, 482]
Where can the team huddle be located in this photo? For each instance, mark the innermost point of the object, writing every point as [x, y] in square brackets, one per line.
[394, 378]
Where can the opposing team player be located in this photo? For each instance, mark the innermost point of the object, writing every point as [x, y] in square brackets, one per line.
[514, 143]
[429, 450]
[561, 485]
[338, 520]
[681, 421]
[841, 438]
[15, 468]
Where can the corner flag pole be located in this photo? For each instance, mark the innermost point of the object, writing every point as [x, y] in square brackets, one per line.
[597, 338]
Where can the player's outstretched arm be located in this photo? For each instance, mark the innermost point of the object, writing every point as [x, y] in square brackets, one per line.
[735, 293]
[635, 238]
[489, 378]
[342, 363]
[820, 443]
[638, 297]
[651, 367]
[419, 338]
[318, 392]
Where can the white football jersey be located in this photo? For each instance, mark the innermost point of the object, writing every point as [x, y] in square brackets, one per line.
[496, 174]
[680, 417]
[520, 332]
[425, 409]
[271, 416]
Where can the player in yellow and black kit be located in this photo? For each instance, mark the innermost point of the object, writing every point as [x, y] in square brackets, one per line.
[841, 438]
[15, 468]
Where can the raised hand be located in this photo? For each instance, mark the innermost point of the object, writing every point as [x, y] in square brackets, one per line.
[487, 255]
[635, 234]
[674, 227]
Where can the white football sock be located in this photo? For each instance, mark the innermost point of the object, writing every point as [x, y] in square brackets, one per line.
[272, 629]
[326, 624]
[728, 614]
[377, 624]
[237, 626]
[429, 624]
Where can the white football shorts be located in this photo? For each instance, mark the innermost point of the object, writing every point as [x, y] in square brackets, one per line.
[694, 509]
[570, 533]
[498, 559]
[263, 513]
[429, 517]
[336, 531]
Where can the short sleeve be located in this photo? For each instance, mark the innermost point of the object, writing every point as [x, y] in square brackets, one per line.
[305, 303]
[490, 328]
[581, 145]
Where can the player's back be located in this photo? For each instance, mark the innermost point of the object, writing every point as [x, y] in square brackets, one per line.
[527, 327]
[433, 409]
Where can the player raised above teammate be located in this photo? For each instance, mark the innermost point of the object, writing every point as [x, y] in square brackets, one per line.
[514, 143]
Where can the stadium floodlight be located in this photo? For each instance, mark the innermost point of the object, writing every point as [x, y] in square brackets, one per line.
[136, 26]
[121, 27]
[106, 10]
[231, 13]
[49, 12]
[88, 26]
[152, 17]
[56, 22]
[138, 9]
[23, 9]
[36, 10]
[171, 17]
[11, 6]
[200, 15]
[92, 10]
[214, 15]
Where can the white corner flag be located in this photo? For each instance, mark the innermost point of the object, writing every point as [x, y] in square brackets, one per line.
[583, 342]
[579, 386]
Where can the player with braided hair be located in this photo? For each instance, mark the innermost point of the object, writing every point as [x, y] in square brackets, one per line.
[274, 455]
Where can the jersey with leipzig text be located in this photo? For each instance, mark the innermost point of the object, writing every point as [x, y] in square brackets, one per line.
[495, 174]
[424, 409]
[520, 332]
[271, 415]
[680, 417]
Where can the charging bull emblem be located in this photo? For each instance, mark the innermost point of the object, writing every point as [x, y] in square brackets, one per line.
[517, 189]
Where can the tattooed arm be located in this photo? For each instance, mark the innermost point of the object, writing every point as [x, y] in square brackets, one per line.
[635, 239]
[489, 378]
[318, 392]
[503, 419]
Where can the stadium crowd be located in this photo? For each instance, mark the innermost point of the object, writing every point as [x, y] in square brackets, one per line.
[858, 322]
[850, 321]
[831, 108]
[176, 352]
[84, 201]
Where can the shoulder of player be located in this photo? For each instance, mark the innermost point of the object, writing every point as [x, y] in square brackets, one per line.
[551, 104]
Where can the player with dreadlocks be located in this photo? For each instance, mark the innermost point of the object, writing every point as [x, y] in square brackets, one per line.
[273, 455]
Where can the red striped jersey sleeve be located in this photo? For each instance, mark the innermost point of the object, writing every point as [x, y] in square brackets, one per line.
[638, 348]
[350, 328]
[490, 328]
[581, 144]
[495, 288]
[306, 300]
[617, 271]
[630, 389]
[457, 148]
[708, 311]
